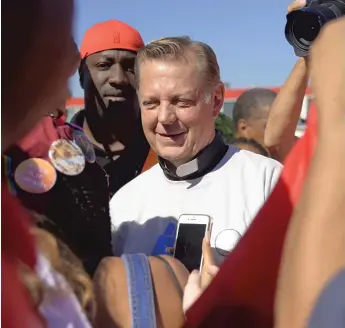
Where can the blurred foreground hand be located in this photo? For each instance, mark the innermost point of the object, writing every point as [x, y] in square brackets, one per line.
[197, 282]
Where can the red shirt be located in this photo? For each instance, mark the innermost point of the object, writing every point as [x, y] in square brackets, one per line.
[61, 118]
[17, 245]
[242, 294]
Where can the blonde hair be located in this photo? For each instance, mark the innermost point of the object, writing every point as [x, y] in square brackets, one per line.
[177, 49]
[65, 262]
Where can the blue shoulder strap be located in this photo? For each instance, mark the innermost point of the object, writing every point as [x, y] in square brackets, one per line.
[140, 291]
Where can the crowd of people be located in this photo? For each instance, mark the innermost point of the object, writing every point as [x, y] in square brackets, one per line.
[91, 206]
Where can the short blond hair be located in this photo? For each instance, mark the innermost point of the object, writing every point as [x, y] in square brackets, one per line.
[177, 48]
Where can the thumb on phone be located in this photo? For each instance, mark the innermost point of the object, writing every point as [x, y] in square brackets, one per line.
[208, 269]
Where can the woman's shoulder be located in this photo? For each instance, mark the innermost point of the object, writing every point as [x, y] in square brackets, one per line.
[168, 277]
[163, 262]
[157, 264]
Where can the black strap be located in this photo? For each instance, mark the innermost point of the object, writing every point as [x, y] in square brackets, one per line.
[206, 160]
[173, 275]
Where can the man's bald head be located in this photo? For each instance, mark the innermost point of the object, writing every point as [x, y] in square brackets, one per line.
[251, 112]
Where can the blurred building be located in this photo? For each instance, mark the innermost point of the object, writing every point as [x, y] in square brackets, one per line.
[73, 106]
[231, 95]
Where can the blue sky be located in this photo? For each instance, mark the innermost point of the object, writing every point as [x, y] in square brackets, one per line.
[247, 36]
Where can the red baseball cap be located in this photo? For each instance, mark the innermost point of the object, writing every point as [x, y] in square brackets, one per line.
[111, 34]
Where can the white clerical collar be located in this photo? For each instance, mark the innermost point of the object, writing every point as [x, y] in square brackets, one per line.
[187, 168]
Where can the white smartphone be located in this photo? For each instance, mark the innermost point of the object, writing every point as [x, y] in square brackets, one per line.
[191, 231]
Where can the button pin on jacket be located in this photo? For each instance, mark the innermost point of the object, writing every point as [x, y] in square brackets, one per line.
[35, 175]
[67, 157]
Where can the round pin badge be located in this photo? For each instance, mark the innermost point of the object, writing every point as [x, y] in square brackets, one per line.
[35, 176]
[85, 145]
[226, 241]
[66, 157]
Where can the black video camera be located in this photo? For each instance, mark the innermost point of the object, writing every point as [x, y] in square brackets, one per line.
[304, 25]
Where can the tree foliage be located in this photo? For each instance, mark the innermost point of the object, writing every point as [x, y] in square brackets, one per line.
[225, 126]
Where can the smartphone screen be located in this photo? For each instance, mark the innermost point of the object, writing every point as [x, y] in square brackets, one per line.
[188, 248]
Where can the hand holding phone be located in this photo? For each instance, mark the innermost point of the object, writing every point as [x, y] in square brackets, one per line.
[209, 269]
[191, 231]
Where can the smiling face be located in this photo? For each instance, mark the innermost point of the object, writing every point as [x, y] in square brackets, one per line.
[177, 120]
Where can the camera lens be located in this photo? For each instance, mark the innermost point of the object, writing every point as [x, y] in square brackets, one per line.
[303, 25]
[306, 29]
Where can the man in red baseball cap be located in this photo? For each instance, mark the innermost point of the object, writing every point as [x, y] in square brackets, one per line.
[107, 142]
[111, 118]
